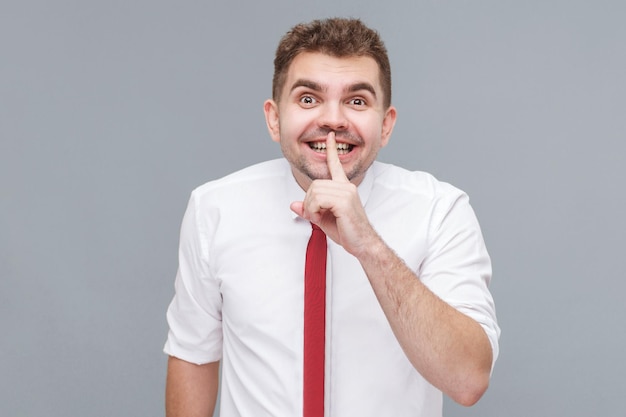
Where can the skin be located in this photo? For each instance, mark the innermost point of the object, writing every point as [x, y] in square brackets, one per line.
[323, 94]
[331, 101]
[190, 389]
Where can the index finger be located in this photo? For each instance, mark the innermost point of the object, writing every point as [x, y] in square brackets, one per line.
[332, 159]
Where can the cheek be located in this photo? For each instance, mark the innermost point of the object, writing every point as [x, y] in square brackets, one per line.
[293, 127]
[370, 131]
[287, 132]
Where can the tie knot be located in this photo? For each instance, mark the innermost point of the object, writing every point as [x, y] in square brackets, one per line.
[316, 227]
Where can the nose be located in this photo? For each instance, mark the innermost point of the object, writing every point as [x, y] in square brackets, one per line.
[332, 117]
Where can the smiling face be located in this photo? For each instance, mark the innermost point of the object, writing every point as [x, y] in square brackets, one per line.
[321, 94]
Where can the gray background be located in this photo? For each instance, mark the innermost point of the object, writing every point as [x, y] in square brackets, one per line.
[112, 111]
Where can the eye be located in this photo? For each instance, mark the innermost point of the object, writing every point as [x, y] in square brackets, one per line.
[308, 100]
[357, 102]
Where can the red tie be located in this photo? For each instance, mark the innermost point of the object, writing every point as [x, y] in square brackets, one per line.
[314, 323]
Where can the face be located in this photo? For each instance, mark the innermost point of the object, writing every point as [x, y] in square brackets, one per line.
[323, 94]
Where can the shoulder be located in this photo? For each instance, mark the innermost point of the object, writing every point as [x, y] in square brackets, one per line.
[260, 177]
[260, 184]
[397, 180]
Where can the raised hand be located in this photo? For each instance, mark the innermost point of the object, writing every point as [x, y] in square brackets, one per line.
[447, 347]
[334, 205]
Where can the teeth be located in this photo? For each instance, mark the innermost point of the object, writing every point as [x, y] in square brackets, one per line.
[342, 148]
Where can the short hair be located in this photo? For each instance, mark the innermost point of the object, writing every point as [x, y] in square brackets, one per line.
[338, 37]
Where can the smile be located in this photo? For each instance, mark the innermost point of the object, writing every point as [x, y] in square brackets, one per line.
[342, 148]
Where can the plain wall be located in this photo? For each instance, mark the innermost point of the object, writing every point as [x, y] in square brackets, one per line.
[111, 112]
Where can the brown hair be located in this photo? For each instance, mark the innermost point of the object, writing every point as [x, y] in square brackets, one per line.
[337, 37]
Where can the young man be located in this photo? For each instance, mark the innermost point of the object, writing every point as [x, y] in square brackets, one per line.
[407, 312]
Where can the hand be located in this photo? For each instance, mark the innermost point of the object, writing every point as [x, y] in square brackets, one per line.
[334, 205]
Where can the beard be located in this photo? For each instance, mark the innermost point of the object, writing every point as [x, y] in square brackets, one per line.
[320, 171]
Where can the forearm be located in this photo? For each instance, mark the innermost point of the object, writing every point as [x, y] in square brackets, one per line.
[191, 390]
[448, 348]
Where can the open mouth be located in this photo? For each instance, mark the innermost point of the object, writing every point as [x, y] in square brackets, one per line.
[342, 148]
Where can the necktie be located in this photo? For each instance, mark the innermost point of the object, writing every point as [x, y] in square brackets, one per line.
[314, 323]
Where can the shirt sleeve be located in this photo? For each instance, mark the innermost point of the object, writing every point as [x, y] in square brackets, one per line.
[457, 267]
[195, 314]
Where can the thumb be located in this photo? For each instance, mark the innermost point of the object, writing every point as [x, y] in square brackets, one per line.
[298, 208]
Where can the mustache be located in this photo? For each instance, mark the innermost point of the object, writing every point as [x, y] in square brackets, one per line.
[339, 134]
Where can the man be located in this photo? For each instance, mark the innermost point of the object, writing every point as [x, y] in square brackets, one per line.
[408, 314]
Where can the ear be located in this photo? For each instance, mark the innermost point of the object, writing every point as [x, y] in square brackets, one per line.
[271, 118]
[389, 122]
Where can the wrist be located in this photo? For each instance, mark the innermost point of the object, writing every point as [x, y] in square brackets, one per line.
[371, 247]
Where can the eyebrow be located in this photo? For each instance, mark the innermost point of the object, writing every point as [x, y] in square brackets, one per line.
[362, 86]
[318, 87]
[307, 84]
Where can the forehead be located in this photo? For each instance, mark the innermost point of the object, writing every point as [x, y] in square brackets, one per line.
[331, 71]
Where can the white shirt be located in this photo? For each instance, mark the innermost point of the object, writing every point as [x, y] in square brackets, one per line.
[240, 288]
